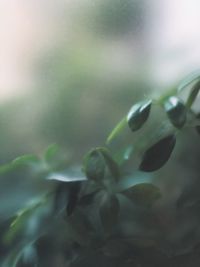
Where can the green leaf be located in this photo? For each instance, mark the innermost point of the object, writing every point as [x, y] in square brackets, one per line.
[188, 80]
[50, 152]
[13, 258]
[22, 219]
[110, 163]
[117, 130]
[144, 194]
[135, 178]
[109, 211]
[176, 111]
[138, 114]
[158, 154]
[29, 160]
[97, 161]
[193, 94]
[94, 165]
[22, 255]
[28, 257]
[25, 160]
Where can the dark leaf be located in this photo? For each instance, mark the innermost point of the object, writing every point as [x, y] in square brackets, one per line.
[138, 114]
[88, 199]
[94, 165]
[109, 211]
[97, 161]
[61, 197]
[158, 154]
[176, 111]
[73, 197]
[144, 194]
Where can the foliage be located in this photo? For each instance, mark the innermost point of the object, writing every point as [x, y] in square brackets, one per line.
[102, 213]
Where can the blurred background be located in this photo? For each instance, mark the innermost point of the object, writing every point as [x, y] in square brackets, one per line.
[70, 70]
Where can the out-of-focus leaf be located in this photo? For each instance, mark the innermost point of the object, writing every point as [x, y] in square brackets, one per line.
[188, 80]
[109, 211]
[110, 163]
[29, 160]
[73, 174]
[97, 161]
[23, 255]
[79, 229]
[158, 154]
[13, 258]
[22, 218]
[6, 168]
[193, 94]
[144, 194]
[88, 199]
[73, 197]
[94, 165]
[189, 198]
[176, 111]
[134, 179]
[138, 114]
[117, 130]
[50, 152]
[25, 159]
[28, 257]
[60, 198]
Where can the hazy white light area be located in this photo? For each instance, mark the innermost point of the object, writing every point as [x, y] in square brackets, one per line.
[175, 39]
[26, 30]
[29, 28]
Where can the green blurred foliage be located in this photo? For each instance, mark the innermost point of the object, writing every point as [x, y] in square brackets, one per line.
[55, 212]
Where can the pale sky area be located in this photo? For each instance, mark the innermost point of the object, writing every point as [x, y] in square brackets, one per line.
[27, 28]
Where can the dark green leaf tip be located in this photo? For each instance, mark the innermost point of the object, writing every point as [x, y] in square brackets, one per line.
[158, 154]
[176, 111]
[138, 114]
[94, 165]
[97, 161]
